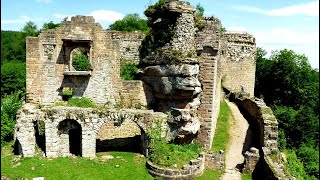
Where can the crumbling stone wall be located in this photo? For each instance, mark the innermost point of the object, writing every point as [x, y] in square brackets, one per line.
[239, 62]
[129, 44]
[48, 63]
[208, 45]
[91, 121]
[265, 126]
[181, 76]
[135, 93]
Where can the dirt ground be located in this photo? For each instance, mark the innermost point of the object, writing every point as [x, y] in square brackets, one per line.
[239, 142]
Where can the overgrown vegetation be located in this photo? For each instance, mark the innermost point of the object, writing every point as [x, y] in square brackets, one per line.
[81, 102]
[131, 22]
[81, 63]
[221, 136]
[9, 107]
[166, 154]
[13, 77]
[165, 31]
[288, 84]
[128, 70]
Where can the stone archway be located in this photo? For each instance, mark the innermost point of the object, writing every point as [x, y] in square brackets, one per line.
[119, 136]
[70, 138]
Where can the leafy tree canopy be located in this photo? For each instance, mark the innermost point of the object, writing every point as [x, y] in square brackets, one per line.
[30, 29]
[131, 22]
[50, 25]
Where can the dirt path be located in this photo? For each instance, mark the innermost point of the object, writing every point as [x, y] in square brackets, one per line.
[238, 131]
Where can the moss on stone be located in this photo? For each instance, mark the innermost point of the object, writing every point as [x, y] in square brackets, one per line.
[266, 110]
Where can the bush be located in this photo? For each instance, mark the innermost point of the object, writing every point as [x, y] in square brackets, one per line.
[9, 107]
[295, 166]
[167, 154]
[81, 63]
[128, 70]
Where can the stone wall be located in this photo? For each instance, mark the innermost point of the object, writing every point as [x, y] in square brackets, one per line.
[208, 45]
[239, 62]
[265, 126]
[90, 120]
[262, 120]
[49, 68]
[193, 169]
[129, 43]
[135, 93]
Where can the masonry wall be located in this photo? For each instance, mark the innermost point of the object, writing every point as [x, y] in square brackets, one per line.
[136, 93]
[93, 123]
[128, 44]
[239, 62]
[207, 41]
[48, 60]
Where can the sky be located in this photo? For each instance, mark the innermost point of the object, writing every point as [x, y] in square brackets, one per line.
[276, 24]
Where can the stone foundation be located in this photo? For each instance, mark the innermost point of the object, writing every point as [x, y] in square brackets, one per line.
[90, 123]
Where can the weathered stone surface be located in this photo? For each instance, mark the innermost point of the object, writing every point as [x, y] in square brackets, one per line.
[91, 122]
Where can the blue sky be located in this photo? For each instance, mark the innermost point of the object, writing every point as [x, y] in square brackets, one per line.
[291, 24]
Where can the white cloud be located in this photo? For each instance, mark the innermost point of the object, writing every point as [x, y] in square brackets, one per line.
[44, 1]
[106, 15]
[22, 20]
[286, 36]
[301, 42]
[308, 9]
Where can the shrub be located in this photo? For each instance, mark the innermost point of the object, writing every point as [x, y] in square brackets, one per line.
[9, 107]
[81, 63]
[167, 154]
[128, 70]
[295, 166]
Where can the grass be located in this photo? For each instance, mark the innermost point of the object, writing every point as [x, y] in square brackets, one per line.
[210, 174]
[246, 176]
[168, 155]
[221, 136]
[131, 166]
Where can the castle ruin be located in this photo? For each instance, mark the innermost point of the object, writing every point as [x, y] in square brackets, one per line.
[180, 82]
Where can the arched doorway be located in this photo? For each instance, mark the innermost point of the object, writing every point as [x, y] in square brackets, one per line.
[70, 138]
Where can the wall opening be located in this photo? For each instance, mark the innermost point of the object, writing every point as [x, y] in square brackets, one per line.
[39, 132]
[70, 138]
[113, 136]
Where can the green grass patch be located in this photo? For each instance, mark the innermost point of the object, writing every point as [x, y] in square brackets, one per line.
[210, 174]
[81, 102]
[166, 155]
[221, 136]
[131, 166]
[246, 176]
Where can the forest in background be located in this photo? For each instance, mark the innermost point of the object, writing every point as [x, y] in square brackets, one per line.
[285, 80]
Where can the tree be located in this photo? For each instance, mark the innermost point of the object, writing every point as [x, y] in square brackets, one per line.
[30, 29]
[290, 86]
[131, 22]
[50, 25]
[13, 46]
[199, 9]
[13, 77]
